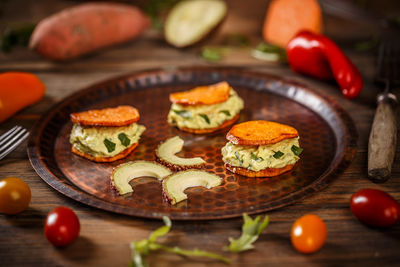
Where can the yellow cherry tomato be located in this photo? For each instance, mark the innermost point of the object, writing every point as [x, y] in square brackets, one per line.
[15, 195]
[308, 233]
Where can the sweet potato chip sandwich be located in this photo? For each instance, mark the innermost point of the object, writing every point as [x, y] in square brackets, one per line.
[261, 149]
[105, 135]
[205, 109]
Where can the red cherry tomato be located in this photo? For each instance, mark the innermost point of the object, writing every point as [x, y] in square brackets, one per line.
[62, 226]
[15, 195]
[375, 207]
[308, 233]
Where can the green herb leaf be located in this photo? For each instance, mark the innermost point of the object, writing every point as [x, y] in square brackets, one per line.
[236, 40]
[205, 117]
[212, 54]
[143, 247]
[238, 158]
[296, 150]
[109, 145]
[183, 113]
[17, 36]
[278, 154]
[124, 139]
[251, 229]
[368, 45]
[255, 158]
[226, 112]
[269, 52]
[156, 9]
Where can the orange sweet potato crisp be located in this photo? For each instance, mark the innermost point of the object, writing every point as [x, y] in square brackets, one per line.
[118, 116]
[202, 95]
[258, 133]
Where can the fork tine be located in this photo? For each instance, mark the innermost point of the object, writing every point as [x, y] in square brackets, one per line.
[8, 133]
[12, 138]
[13, 143]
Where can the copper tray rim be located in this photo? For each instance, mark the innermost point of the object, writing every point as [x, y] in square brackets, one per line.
[72, 191]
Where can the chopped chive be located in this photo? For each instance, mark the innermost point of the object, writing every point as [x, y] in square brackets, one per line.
[109, 145]
[255, 158]
[211, 54]
[226, 112]
[296, 150]
[238, 158]
[183, 113]
[278, 154]
[124, 139]
[205, 117]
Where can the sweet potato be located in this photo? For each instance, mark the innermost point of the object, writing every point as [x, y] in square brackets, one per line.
[121, 155]
[285, 18]
[18, 90]
[268, 172]
[203, 95]
[118, 116]
[85, 28]
[256, 133]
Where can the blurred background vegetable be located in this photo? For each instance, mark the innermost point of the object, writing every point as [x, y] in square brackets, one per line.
[17, 91]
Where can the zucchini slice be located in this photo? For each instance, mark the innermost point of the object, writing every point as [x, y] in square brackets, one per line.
[175, 184]
[189, 22]
[124, 173]
[166, 151]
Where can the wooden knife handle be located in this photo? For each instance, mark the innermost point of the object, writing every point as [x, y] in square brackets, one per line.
[382, 139]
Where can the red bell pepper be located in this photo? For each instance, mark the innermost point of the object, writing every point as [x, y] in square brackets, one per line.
[318, 56]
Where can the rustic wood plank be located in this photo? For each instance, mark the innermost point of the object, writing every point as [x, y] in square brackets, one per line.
[105, 237]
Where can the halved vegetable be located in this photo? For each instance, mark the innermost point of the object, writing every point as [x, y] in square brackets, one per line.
[190, 21]
[166, 151]
[124, 173]
[175, 184]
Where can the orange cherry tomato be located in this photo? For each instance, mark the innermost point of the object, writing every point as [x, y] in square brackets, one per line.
[308, 233]
[15, 195]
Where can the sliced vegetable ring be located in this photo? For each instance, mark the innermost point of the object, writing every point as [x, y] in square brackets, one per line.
[124, 173]
[175, 184]
[166, 151]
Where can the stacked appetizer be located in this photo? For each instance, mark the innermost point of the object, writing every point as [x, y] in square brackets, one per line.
[205, 109]
[261, 149]
[105, 135]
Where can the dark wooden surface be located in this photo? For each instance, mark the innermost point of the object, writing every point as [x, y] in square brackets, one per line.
[105, 237]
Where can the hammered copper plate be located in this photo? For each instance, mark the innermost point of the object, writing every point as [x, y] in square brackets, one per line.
[327, 133]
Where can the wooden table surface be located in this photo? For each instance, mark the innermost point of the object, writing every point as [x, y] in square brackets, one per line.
[105, 237]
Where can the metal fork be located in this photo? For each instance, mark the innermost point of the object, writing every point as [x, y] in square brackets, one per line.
[11, 139]
[383, 136]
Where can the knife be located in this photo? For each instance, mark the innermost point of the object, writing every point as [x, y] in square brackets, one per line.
[383, 135]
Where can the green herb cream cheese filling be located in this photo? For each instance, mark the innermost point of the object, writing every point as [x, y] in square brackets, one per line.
[257, 158]
[105, 141]
[205, 116]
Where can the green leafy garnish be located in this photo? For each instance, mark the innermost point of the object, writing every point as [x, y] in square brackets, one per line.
[16, 36]
[156, 9]
[269, 52]
[296, 150]
[278, 154]
[251, 229]
[238, 158]
[368, 45]
[212, 54]
[124, 139]
[226, 112]
[205, 117]
[183, 113]
[255, 158]
[142, 248]
[236, 40]
[109, 145]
